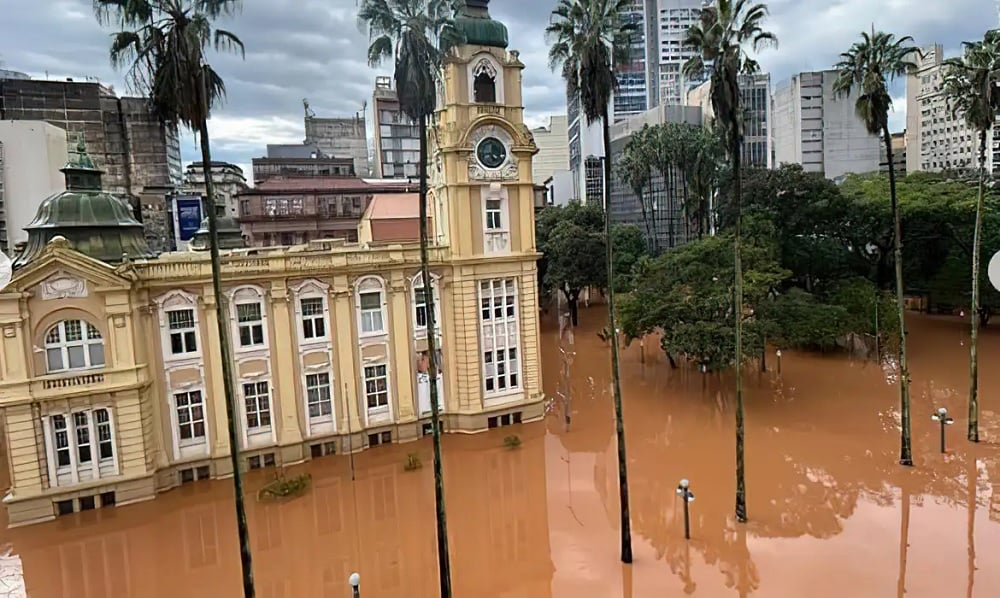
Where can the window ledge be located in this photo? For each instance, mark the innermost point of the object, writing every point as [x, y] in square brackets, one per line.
[506, 396]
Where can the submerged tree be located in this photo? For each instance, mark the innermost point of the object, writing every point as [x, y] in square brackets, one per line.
[162, 43]
[972, 84]
[723, 36]
[866, 68]
[415, 35]
[589, 38]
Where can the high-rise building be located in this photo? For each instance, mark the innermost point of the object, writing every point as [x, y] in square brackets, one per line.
[675, 19]
[936, 139]
[227, 182]
[339, 138]
[755, 101]
[632, 95]
[819, 129]
[140, 156]
[397, 138]
[553, 149]
[586, 149]
[31, 154]
[299, 160]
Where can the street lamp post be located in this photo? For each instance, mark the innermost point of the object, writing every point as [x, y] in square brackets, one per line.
[778, 355]
[355, 581]
[684, 491]
[942, 417]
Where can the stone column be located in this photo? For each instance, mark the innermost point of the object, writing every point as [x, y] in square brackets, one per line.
[345, 357]
[213, 382]
[399, 340]
[285, 375]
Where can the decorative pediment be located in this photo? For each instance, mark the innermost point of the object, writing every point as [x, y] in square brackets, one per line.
[508, 170]
[62, 285]
[60, 272]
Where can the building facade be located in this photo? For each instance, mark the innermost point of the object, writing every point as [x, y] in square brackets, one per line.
[820, 130]
[755, 98]
[140, 156]
[586, 152]
[632, 95]
[552, 142]
[299, 160]
[294, 210]
[227, 182]
[397, 137]
[31, 154]
[675, 19]
[340, 138]
[123, 399]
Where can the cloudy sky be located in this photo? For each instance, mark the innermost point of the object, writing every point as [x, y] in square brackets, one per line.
[314, 49]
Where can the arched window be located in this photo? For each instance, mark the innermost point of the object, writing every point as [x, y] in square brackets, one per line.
[371, 306]
[251, 318]
[73, 345]
[419, 298]
[484, 84]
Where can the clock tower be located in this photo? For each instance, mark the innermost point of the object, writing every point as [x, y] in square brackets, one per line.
[482, 190]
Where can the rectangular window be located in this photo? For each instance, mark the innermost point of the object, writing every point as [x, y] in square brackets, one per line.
[258, 406]
[498, 315]
[251, 324]
[61, 440]
[371, 313]
[420, 306]
[190, 417]
[313, 323]
[83, 454]
[376, 387]
[493, 219]
[318, 395]
[105, 445]
[182, 331]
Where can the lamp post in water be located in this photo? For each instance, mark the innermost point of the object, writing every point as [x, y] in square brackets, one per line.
[355, 581]
[942, 417]
[687, 496]
[778, 355]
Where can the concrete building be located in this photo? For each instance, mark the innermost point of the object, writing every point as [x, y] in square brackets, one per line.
[140, 157]
[552, 142]
[899, 154]
[228, 182]
[31, 154]
[936, 139]
[665, 223]
[634, 82]
[397, 138]
[299, 160]
[292, 210]
[123, 399]
[339, 138]
[675, 18]
[586, 153]
[755, 95]
[819, 130]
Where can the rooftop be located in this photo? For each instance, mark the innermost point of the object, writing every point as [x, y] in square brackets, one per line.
[393, 206]
[279, 184]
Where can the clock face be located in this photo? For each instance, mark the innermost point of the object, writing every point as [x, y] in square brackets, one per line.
[491, 152]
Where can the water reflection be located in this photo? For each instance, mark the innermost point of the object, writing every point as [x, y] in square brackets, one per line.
[832, 513]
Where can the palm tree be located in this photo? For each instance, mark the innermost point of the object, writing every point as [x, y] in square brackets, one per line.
[416, 35]
[724, 34]
[634, 169]
[867, 67]
[588, 38]
[162, 43]
[972, 84]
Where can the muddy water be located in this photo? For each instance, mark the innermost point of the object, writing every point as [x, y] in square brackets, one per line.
[832, 514]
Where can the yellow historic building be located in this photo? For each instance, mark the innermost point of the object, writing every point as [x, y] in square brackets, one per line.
[110, 372]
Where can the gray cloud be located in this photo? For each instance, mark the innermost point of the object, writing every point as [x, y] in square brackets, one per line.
[314, 49]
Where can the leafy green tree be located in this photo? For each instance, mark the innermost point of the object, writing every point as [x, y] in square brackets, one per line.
[972, 84]
[635, 169]
[574, 256]
[416, 35]
[722, 37]
[630, 249]
[866, 68]
[163, 44]
[589, 39]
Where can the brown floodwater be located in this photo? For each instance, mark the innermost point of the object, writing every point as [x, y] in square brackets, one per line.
[832, 514]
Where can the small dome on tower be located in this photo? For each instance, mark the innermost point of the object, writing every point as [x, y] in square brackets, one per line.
[229, 231]
[479, 29]
[91, 221]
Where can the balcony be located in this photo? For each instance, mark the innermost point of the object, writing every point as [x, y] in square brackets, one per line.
[71, 384]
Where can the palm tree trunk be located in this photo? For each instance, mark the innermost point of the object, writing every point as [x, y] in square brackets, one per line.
[741, 488]
[905, 453]
[626, 527]
[444, 564]
[246, 561]
[974, 312]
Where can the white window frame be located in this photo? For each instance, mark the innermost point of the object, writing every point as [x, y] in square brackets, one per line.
[494, 214]
[384, 375]
[248, 295]
[366, 285]
[172, 302]
[185, 334]
[499, 335]
[260, 428]
[312, 289]
[189, 408]
[496, 239]
[63, 346]
[417, 282]
[97, 467]
[309, 386]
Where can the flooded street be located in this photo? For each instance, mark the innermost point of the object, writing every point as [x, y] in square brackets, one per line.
[831, 512]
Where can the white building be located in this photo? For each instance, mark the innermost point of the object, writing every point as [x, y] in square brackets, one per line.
[586, 153]
[228, 182]
[675, 19]
[819, 130]
[553, 148]
[31, 154]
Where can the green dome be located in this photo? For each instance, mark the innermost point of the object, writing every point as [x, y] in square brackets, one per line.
[95, 223]
[478, 28]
